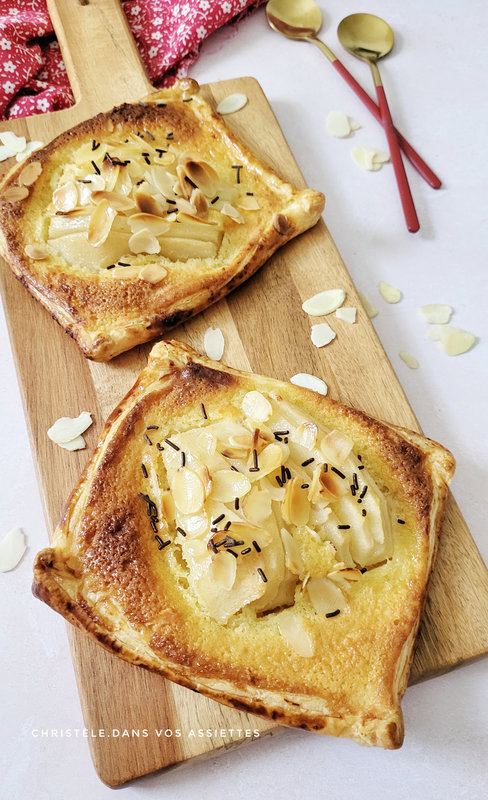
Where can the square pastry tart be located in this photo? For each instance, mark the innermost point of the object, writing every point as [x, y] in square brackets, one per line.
[135, 220]
[254, 541]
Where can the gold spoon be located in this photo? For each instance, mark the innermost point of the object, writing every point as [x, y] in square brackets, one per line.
[370, 38]
[301, 20]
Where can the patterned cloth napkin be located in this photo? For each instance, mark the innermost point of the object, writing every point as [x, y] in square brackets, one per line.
[168, 34]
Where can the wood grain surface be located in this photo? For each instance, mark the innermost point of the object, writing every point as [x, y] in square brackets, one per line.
[265, 331]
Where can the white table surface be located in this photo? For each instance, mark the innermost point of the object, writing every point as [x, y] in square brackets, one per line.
[437, 93]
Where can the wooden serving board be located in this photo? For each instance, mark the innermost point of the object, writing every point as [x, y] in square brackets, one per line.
[265, 331]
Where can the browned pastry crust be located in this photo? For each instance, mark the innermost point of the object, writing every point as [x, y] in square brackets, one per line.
[108, 311]
[105, 573]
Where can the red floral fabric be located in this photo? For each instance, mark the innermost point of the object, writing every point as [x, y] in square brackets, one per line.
[168, 34]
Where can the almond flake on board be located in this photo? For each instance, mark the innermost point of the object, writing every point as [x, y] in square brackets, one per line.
[12, 548]
[436, 313]
[309, 382]
[408, 359]
[213, 343]
[324, 302]
[231, 103]
[66, 431]
[454, 341]
[389, 293]
[347, 314]
[322, 334]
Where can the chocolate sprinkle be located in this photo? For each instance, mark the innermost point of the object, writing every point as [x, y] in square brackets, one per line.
[262, 575]
[172, 444]
[95, 168]
[256, 546]
[182, 531]
[401, 521]
[246, 551]
[237, 168]
[228, 550]
[146, 437]
[338, 472]
[307, 462]
[152, 428]
[333, 613]
[218, 519]
[204, 413]
[343, 527]
[144, 470]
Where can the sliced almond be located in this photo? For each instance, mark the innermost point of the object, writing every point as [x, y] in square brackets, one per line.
[454, 341]
[370, 311]
[369, 158]
[436, 313]
[231, 103]
[389, 293]
[126, 273]
[322, 334]
[269, 460]
[295, 634]
[199, 201]
[156, 225]
[147, 204]
[281, 223]
[168, 508]
[338, 124]
[100, 223]
[347, 314]
[118, 201]
[201, 174]
[30, 173]
[229, 210]
[223, 570]
[305, 435]
[325, 596]
[295, 507]
[228, 484]
[256, 406]
[326, 486]
[213, 343]
[324, 302]
[14, 143]
[13, 194]
[188, 491]
[65, 197]
[408, 359]
[248, 203]
[67, 428]
[35, 252]
[12, 548]
[256, 505]
[336, 447]
[144, 242]
[293, 556]
[153, 273]
[310, 382]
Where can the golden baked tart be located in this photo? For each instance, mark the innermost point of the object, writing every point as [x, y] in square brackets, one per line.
[137, 219]
[254, 541]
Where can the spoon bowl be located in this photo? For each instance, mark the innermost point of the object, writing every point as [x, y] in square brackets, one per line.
[366, 36]
[296, 19]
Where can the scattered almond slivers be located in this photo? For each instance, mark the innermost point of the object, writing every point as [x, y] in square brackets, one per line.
[12, 548]
[389, 293]
[309, 382]
[256, 406]
[30, 173]
[369, 158]
[408, 359]
[454, 341]
[232, 103]
[370, 311]
[35, 252]
[325, 596]
[340, 125]
[295, 634]
[324, 302]
[322, 334]
[347, 314]
[144, 242]
[213, 343]
[66, 431]
[436, 313]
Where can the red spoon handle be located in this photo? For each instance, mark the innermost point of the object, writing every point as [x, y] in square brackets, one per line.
[417, 161]
[396, 157]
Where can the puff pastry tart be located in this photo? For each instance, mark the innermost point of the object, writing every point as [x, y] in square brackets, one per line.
[137, 219]
[254, 541]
